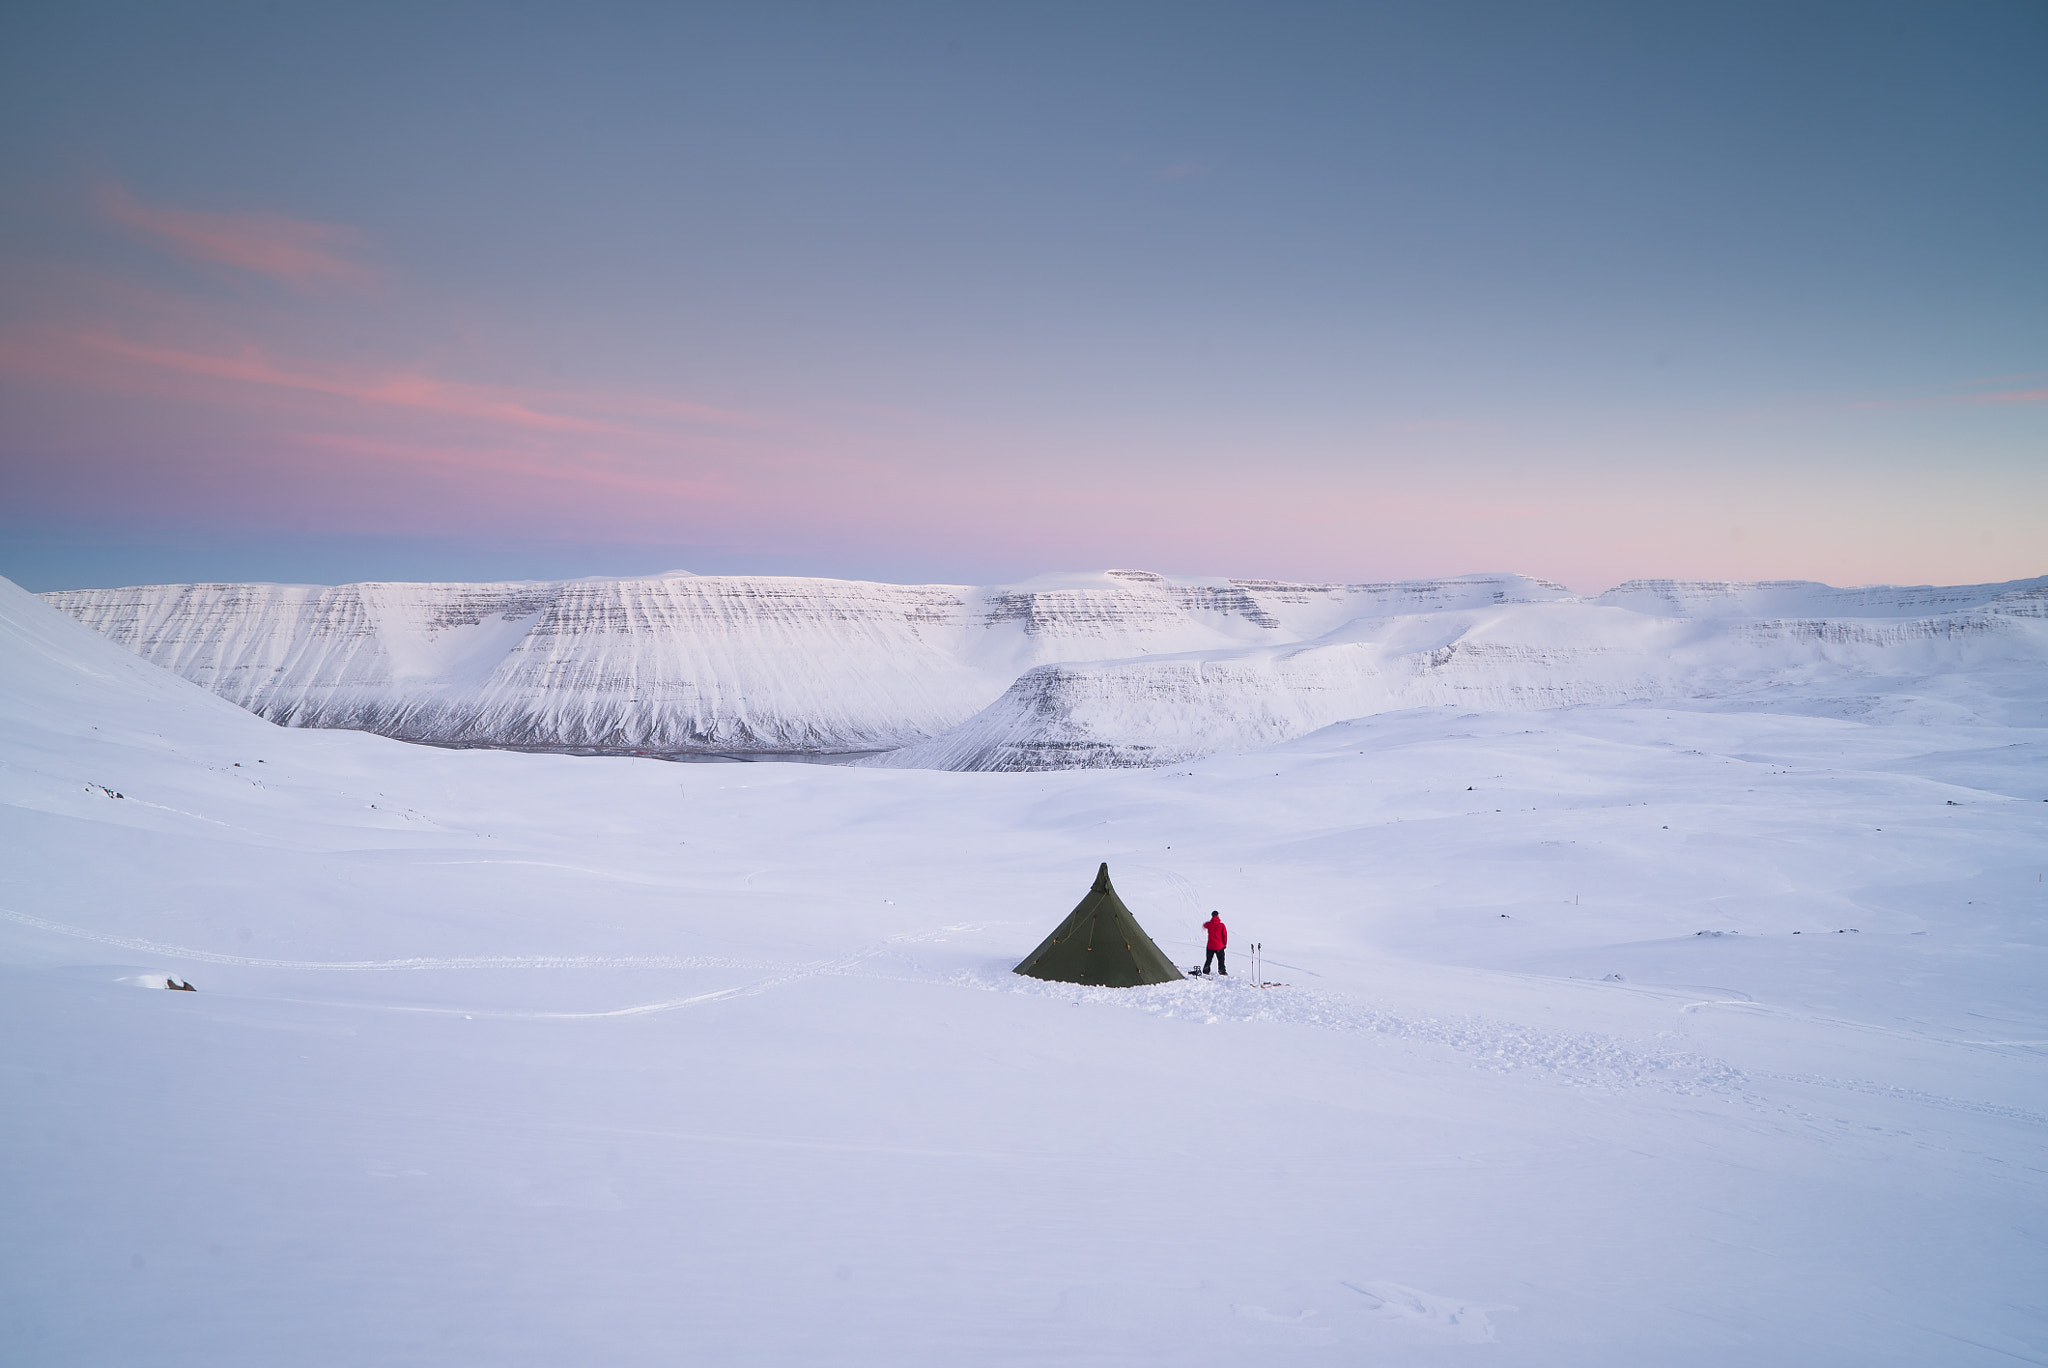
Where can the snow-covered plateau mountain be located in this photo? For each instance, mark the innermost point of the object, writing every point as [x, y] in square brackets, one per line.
[1121, 668]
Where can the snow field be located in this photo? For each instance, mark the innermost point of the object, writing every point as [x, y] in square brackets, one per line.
[526, 1059]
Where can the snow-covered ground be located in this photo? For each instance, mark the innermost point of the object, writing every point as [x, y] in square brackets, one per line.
[1617, 1034]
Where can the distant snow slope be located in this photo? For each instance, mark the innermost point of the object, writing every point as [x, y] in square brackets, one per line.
[1076, 671]
[699, 663]
[1806, 599]
[1512, 656]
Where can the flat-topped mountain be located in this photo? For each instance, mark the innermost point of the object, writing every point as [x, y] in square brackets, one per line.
[1114, 668]
[1805, 599]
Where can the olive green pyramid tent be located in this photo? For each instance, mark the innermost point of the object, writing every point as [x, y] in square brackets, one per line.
[1100, 944]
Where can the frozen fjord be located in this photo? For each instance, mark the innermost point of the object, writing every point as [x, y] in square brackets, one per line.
[516, 1059]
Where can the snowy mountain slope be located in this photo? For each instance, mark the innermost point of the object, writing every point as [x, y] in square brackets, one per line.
[1806, 599]
[1164, 710]
[1613, 1035]
[1121, 668]
[56, 675]
[705, 663]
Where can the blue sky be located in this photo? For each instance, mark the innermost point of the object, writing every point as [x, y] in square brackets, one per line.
[971, 292]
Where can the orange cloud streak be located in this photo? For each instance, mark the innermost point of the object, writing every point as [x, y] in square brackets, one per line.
[294, 251]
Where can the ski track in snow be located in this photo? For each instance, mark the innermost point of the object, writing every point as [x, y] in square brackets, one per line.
[182, 952]
[1577, 1060]
[1886, 1090]
[1583, 1060]
[1580, 1060]
[843, 965]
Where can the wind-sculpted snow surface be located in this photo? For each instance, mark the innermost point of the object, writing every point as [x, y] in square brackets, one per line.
[1123, 668]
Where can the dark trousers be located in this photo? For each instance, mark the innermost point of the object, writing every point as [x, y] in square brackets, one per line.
[1217, 956]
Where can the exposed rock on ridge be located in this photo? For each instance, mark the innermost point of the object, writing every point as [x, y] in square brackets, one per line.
[684, 663]
[1120, 668]
[1977, 663]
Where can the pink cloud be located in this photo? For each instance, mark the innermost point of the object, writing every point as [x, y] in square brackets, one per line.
[596, 413]
[301, 254]
[594, 458]
[514, 464]
[1969, 392]
[2018, 396]
[1450, 425]
[643, 438]
[410, 390]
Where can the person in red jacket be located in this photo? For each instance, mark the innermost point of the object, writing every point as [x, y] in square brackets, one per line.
[1219, 940]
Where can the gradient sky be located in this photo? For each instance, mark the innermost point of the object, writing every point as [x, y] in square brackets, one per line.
[968, 292]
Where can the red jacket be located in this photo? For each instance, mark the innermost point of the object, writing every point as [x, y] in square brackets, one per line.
[1219, 934]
